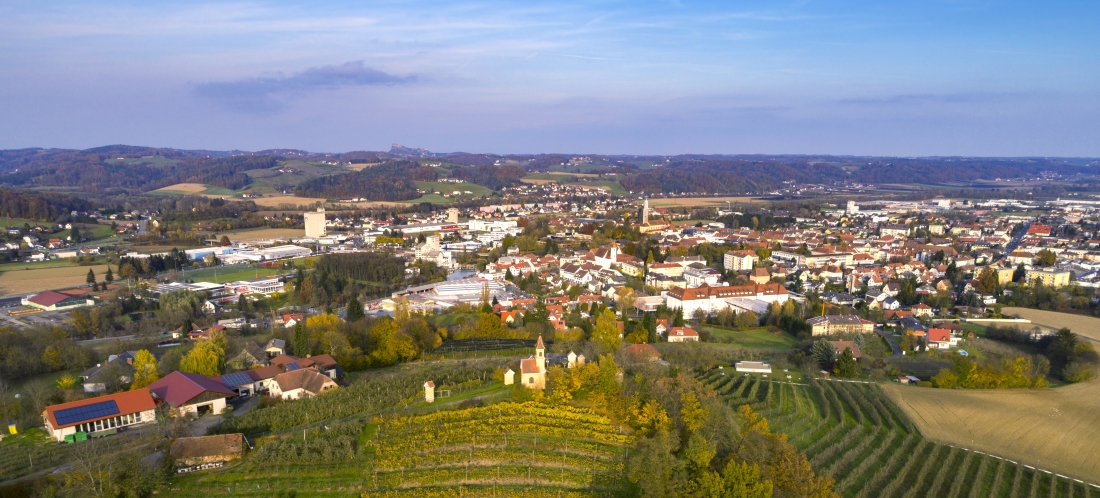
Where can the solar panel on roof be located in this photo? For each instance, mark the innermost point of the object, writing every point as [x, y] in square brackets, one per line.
[236, 379]
[86, 412]
[292, 366]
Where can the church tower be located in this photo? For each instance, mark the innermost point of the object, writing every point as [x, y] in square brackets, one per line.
[645, 212]
[540, 354]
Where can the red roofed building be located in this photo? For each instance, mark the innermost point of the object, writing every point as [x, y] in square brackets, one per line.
[191, 393]
[532, 370]
[640, 352]
[682, 334]
[102, 413]
[940, 339]
[1041, 230]
[53, 301]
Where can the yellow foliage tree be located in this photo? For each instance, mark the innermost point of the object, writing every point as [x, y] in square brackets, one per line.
[66, 382]
[145, 370]
[205, 359]
[606, 332]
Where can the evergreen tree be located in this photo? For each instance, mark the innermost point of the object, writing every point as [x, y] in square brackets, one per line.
[678, 321]
[649, 321]
[846, 365]
[823, 353]
[109, 277]
[242, 304]
[91, 276]
[74, 234]
[301, 340]
[355, 310]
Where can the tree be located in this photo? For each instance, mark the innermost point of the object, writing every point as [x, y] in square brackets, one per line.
[649, 322]
[182, 301]
[109, 277]
[846, 366]
[91, 276]
[1046, 258]
[145, 369]
[205, 359]
[745, 319]
[301, 340]
[678, 320]
[624, 299]
[606, 332]
[225, 241]
[823, 353]
[355, 310]
[74, 234]
[66, 382]
[242, 303]
[987, 281]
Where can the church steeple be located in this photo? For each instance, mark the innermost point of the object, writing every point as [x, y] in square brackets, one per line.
[540, 354]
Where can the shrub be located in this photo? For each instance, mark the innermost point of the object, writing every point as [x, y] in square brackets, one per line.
[1077, 371]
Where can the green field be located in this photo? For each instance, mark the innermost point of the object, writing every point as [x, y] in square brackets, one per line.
[446, 188]
[432, 198]
[755, 338]
[856, 434]
[223, 275]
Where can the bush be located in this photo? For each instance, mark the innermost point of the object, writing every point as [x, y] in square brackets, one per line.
[1078, 371]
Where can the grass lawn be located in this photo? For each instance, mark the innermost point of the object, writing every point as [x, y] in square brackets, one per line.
[432, 198]
[34, 265]
[19, 222]
[451, 319]
[223, 275]
[217, 191]
[754, 338]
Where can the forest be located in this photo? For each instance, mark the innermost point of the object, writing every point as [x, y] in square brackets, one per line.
[36, 206]
[494, 177]
[390, 181]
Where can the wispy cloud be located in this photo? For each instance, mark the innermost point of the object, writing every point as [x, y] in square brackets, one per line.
[271, 93]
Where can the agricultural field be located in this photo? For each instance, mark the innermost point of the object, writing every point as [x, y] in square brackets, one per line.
[185, 189]
[262, 234]
[697, 201]
[447, 188]
[41, 279]
[1056, 429]
[1085, 326]
[856, 434]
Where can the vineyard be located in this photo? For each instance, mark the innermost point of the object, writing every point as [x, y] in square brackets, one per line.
[506, 449]
[856, 434]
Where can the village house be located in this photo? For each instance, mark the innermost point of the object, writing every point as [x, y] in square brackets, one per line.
[74, 420]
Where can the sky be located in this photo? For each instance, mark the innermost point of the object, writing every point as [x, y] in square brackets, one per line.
[895, 78]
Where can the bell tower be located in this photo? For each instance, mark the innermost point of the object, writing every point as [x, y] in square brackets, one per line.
[540, 354]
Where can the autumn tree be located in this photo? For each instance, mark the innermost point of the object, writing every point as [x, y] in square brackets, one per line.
[606, 332]
[987, 281]
[1046, 258]
[205, 359]
[145, 369]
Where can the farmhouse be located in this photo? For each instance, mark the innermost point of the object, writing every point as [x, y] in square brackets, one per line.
[682, 334]
[189, 393]
[301, 383]
[73, 421]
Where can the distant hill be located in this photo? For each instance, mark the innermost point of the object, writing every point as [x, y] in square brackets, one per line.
[390, 181]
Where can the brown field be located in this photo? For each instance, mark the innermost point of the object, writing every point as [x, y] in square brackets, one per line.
[262, 234]
[40, 279]
[1085, 326]
[187, 188]
[698, 201]
[536, 181]
[1053, 429]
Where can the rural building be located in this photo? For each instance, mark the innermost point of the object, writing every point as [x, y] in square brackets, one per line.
[840, 324]
[682, 334]
[300, 383]
[191, 451]
[116, 371]
[533, 370]
[642, 352]
[315, 223]
[842, 345]
[752, 367]
[429, 391]
[189, 393]
[940, 339]
[275, 347]
[53, 301]
[100, 414]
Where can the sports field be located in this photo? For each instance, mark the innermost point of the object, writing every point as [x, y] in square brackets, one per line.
[1086, 326]
[1056, 429]
[41, 279]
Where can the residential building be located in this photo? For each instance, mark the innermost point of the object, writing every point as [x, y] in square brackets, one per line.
[1049, 278]
[840, 324]
[300, 383]
[682, 334]
[739, 260]
[74, 420]
[189, 393]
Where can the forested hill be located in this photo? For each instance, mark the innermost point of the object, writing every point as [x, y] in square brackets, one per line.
[390, 181]
[141, 168]
[37, 206]
[754, 174]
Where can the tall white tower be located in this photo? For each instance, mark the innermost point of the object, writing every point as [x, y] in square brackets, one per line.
[645, 212]
[315, 223]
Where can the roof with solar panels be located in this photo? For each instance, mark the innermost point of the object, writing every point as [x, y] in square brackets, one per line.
[99, 408]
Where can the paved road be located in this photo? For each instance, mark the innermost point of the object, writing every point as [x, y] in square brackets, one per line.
[1016, 240]
[890, 339]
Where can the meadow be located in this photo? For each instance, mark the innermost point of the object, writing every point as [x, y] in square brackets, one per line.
[856, 434]
[1056, 429]
[754, 338]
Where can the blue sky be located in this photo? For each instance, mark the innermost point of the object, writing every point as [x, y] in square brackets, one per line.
[633, 77]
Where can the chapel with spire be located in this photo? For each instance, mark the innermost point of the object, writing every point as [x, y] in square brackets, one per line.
[533, 370]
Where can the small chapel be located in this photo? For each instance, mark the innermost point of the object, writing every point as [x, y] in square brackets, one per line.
[532, 370]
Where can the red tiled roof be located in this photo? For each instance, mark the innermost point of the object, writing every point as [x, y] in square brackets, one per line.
[49, 298]
[264, 373]
[177, 388]
[643, 350]
[528, 365]
[128, 402]
[939, 335]
[682, 332]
